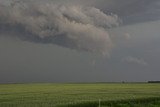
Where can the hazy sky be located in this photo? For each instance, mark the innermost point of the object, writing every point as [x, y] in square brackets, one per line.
[79, 40]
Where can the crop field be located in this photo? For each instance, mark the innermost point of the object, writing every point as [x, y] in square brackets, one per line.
[80, 95]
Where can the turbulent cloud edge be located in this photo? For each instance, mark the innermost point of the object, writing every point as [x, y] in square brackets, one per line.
[72, 26]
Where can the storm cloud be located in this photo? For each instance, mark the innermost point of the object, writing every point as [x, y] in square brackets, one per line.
[72, 26]
[37, 39]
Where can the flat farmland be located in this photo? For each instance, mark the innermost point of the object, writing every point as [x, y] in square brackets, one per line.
[80, 95]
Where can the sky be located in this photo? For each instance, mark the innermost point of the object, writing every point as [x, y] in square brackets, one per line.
[79, 40]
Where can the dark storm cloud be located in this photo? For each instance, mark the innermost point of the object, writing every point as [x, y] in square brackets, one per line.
[79, 25]
[140, 11]
[133, 11]
[73, 26]
[86, 25]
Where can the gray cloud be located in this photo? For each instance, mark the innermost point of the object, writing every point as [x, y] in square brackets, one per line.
[72, 26]
[132, 11]
[134, 60]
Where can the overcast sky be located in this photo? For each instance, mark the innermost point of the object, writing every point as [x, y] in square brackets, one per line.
[79, 40]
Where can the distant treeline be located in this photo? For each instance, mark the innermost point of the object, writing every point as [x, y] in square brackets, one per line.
[153, 81]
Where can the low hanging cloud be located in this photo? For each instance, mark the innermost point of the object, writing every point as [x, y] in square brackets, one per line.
[134, 60]
[72, 26]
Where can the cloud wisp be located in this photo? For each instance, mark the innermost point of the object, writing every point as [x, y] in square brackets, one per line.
[72, 26]
[134, 60]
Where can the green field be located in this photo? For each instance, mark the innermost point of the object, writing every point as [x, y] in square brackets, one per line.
[80, 95]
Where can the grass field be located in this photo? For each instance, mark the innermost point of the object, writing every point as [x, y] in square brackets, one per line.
[80, 95]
